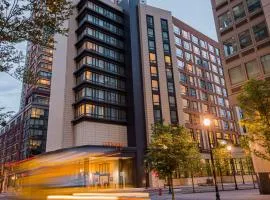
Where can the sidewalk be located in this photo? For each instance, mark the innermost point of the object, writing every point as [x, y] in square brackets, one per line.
[225, 195]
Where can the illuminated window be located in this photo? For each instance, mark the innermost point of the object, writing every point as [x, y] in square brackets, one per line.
[44, 82]
[152, 58]
[36, 113]
[168, 60]
[88, 75]
[156, 100]
[155, 86]
[154, 71]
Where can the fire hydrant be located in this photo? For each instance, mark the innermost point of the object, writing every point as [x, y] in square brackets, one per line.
[160, 192]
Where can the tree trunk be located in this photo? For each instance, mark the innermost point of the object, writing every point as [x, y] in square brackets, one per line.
[169, 183]
[192, 178]
[171, 180]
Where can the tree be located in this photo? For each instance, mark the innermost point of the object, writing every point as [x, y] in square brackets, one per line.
[222, 155]
[4, 116]
[171, 148]
[255, 103]
[35, 21]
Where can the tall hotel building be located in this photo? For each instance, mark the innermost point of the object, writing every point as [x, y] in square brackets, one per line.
[125, 66]
[243, 30]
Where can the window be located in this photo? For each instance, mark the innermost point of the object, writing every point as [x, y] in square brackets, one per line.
[151, 45]
[230, 47]
[155, 86]
[183, 90]
[168, 60]
[170, 87]
[237, 75]
[154, 72]
[188, 56]
[183, 78]
[179, 53]
[215, 68]
[266, 63]
[260, 31]
[199, 72]
[192, 92]
[194, 39]
[225, 21]
[216, 79]
[221, 101]
[187, 45]
[165, 36]
[180, 64]
[211, 48]
[151, 33]
[166, 48]
[238, 12]
[218, 90]
[245, 39]
[178, 41]
[219, 2]
[196, 50]
[164, 24]
[157, 115]
[169, 73]
[205, 64]
[204, 96]
[205, 54]
[252, 69]
[152, 58]
[150, 21]
[185, 34]
[189, 67]
[202, 84]
[217, 51]
[203, 44]
[173, 116]
[172, 101]
[253, 5]
[176, 30]
[156, 100]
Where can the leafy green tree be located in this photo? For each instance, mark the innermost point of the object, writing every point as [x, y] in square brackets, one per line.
[255, 103]
[171, 148]
[222, 155]
[4, 116]
[35, 21]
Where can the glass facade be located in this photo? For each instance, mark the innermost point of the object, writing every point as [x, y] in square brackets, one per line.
[154, 68]
[100, 74]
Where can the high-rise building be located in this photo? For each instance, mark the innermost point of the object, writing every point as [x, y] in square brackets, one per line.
[123, 67]
[243, 31]
[112, 80]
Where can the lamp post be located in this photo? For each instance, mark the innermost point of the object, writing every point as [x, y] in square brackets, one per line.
[207, 123]
[229, 148]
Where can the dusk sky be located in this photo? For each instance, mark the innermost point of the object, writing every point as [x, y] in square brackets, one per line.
[196, 13]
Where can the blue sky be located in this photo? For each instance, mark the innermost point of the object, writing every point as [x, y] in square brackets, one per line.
[196, 13]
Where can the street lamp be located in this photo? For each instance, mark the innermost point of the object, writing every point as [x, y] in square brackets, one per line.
[229, 148]
[207, 123]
